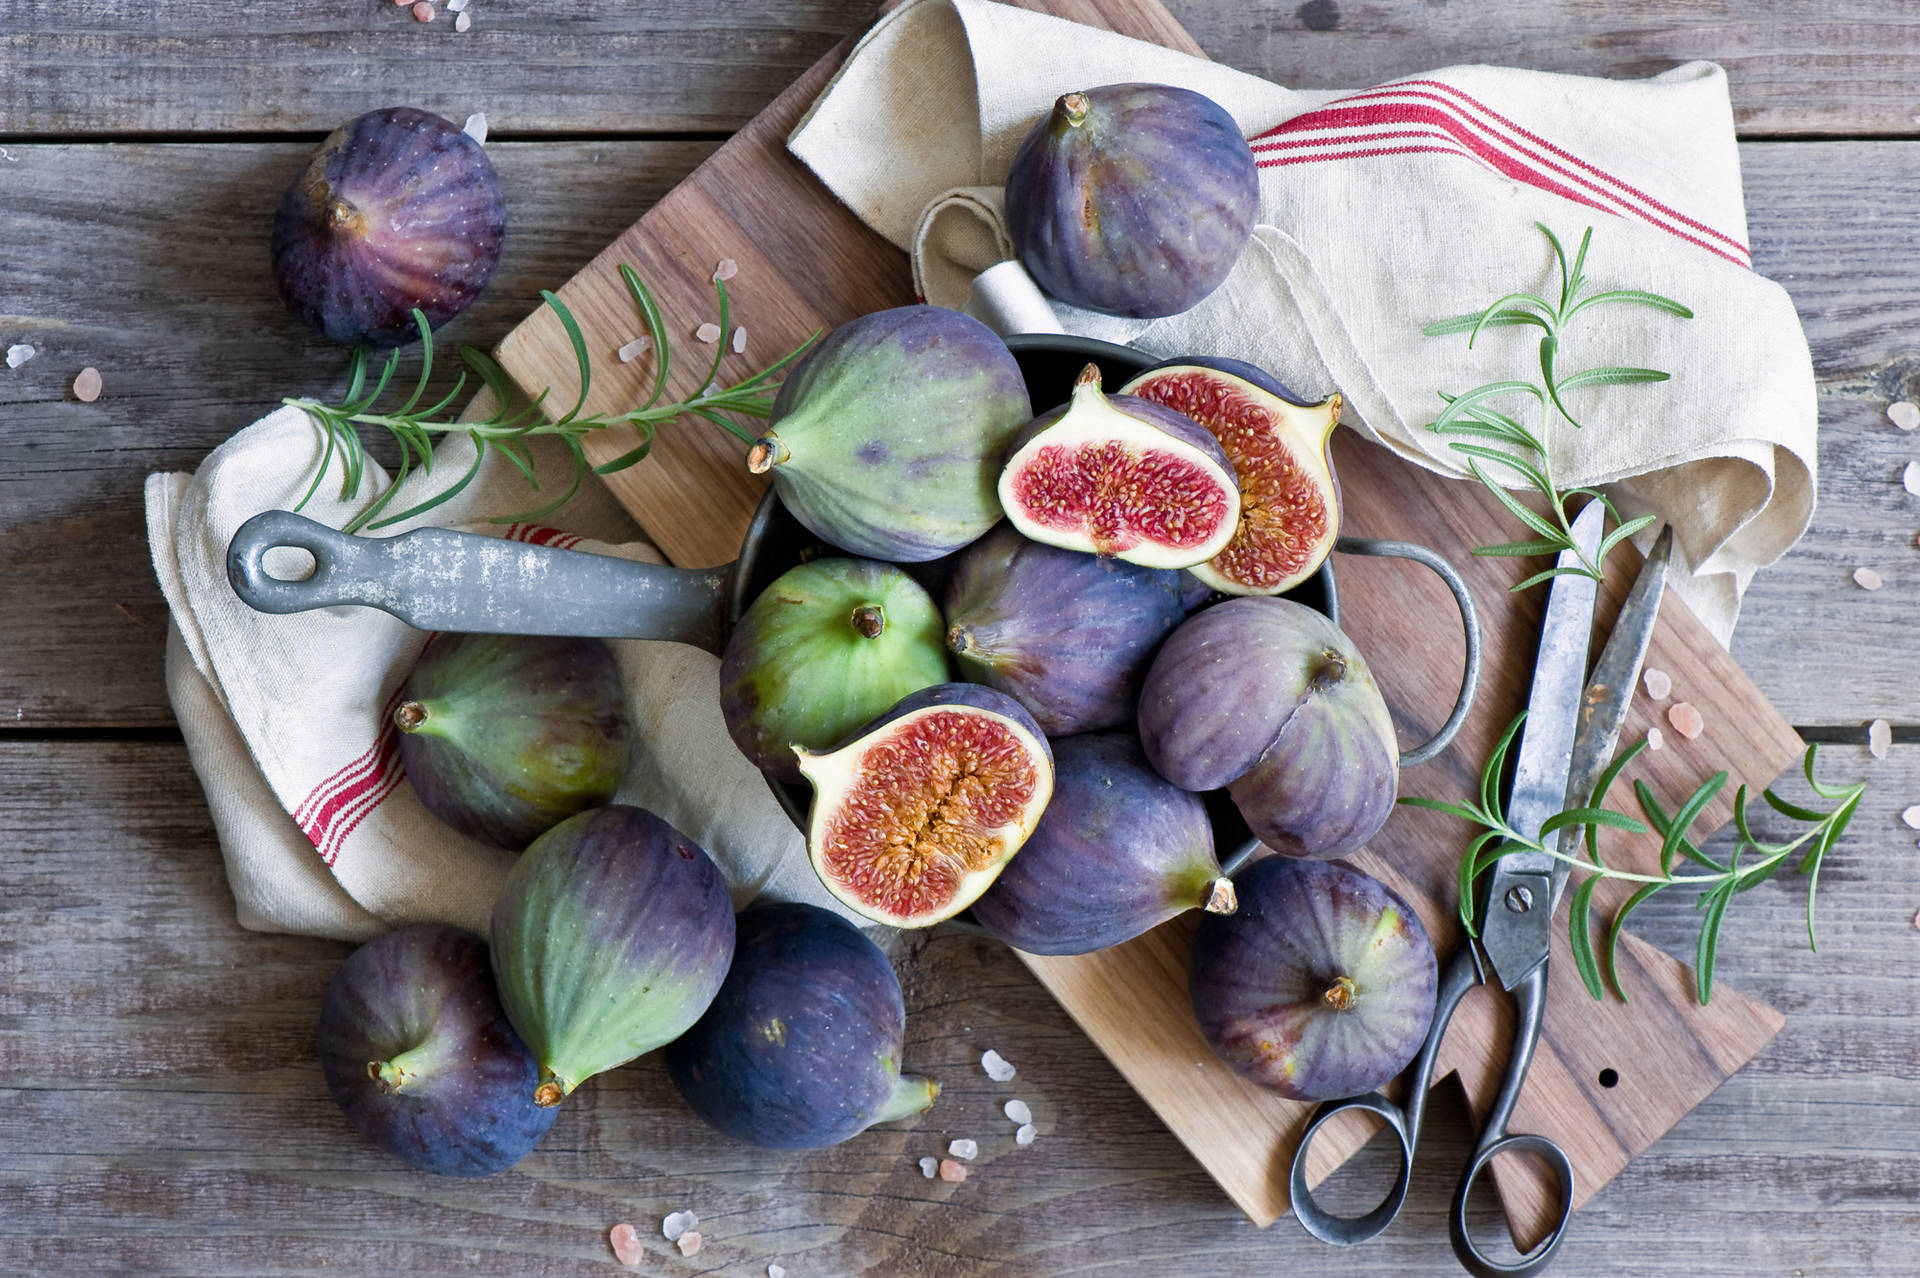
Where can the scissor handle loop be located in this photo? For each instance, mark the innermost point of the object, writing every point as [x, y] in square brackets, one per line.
[1470, 1256]
[1344, 1230]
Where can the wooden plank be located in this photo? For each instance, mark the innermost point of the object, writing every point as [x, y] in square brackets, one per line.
[543, 66]
[162, 1112]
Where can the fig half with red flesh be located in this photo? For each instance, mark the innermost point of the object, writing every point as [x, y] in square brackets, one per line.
[1121, 476]
[914, 815]
[1289, 499]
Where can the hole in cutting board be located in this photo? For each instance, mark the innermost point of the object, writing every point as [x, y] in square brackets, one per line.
[1609, 1077]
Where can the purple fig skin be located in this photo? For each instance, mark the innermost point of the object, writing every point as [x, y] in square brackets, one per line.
[419, 1054]
[1067, 635]
[801, 1048]
[1132, 199]
[397, 209]
[610, 937]
[1118, 851]
[1268, 698]
[1320, 986]
[918, 399]
[505, 736]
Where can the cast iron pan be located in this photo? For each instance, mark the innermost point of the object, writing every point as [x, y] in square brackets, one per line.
[438, 579]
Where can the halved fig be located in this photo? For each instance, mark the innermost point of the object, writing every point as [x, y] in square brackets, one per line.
[914, 816]
[1289, 498]
[1121, 476]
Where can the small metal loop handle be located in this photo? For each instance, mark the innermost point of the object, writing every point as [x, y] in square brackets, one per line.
[1345, 1230]
[331, 549]
[1469, 622]
[1464, 1249]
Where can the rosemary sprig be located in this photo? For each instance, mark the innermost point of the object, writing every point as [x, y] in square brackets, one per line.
[414, 426]
[1470, 415]
[1717, 881]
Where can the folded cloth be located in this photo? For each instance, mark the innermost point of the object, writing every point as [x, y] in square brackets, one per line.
[1382, 211]
[287, 719]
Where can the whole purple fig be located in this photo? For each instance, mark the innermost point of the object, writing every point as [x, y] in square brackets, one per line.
[1118, 851]
[505, 736]
[418, 1053]
[801, 1048]
[398, 209]
[1268, 698]
[1132, 199]
[1320, 986]
[1065, 634]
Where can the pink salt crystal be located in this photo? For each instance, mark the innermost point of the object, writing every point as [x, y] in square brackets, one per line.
[1656, 739]
[708, 332]
[423, 12]
[1685, 719]
[463, 22]
[1879, 738]
[950, 1170]
[86, 387]
[739, 341]
[726, 270]
[1658, 684]
[635, 349]
[689, 1242]
[964, 1148]
[1904, 415]
[1867, 579]
[626, 1243]
[1912, 817]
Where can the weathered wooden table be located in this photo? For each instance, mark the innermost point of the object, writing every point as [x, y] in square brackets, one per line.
[161, 1110]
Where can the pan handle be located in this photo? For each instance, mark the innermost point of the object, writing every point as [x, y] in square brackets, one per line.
[439, 579]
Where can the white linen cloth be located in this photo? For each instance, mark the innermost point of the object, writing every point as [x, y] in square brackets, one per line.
[287, 719]
[1382, 211]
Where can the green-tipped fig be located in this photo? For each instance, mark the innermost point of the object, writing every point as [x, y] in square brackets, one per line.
[505, 736]
[610, 938]
[826, 647]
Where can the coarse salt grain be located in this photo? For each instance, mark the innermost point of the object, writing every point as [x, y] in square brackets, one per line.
[928, 1166]
[689, 1243]
[1685, 719]
[1916, 919]
[725, 270]
[18, 354]
[708, 332]
[1656, 739]
[677, 1223]
[476, 127]
[739, 341]
[950, 1170]
[1879, 738]
[996, 1066]
[1025, 1134]
[776, 1271]
[423, 12]
[1910, 478]
[1017, 1111]
[463, 22]
[635, 349]
[964, 1148]
[625, 1240]
[1868, 579]
[1912, 817]
[456, 6]
[1658, 684]
[86, 387]
[1904, 415]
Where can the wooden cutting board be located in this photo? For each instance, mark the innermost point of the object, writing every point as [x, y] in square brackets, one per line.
[1610, 1078]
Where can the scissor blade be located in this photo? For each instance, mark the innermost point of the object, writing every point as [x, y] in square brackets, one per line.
[1516, 939]
[1610, 691]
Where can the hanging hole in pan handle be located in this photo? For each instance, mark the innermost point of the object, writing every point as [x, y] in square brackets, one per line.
[271, 530]
[1469, 623]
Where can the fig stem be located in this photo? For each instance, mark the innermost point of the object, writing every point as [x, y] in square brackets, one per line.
[1089, 379]
[550, 1092]
[959, 640]
[1221, 898]
[912, 1094]
[1073, 108]
[1340, 994]
[869, 620]
[766, 453]
[1328, 672]
[411, 716]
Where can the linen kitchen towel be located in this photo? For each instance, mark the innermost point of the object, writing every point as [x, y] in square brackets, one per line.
[287, 719]
[1382, 211]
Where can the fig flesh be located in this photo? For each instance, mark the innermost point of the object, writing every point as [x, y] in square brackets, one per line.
[505, 736]
[398, 209]
[918, 399]
[1119, 850]
[1119, 476]
[610, 938]
[826, 647]
[916, 813]
[418, 1053]
[1279, 447]
[801, 1049]
[1270, 699]
[1320, 986]
[1132, 199]
[1065, 634]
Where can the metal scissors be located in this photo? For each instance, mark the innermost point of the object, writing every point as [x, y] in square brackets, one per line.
[1565, 743]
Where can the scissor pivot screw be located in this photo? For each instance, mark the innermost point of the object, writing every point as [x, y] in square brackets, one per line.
[1519, 900]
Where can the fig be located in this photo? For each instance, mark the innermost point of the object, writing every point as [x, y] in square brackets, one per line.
[610, 937]
[1118, 851]
[1321, 985]
[1120, 476]
[398, 209]
[1132, 199]
[801, 1049]
[915, 814]
[505, 736]
[1268, 698]
[419, 1054]
[826, 647]
[1067, 635]
[1279, 447]
[918, 399]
